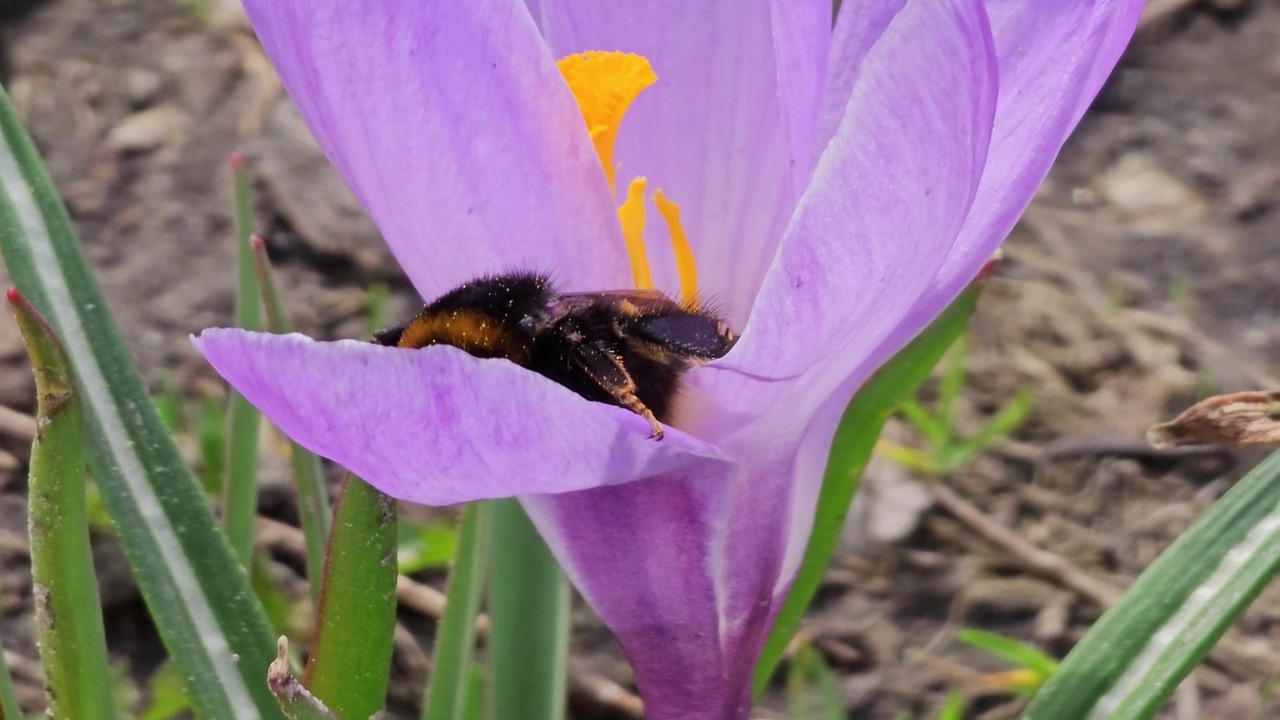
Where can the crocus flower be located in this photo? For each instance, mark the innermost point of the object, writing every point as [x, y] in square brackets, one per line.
[831, 189]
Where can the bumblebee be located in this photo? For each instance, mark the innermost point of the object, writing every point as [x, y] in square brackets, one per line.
[625, 347]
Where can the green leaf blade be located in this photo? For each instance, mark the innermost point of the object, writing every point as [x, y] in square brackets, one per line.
[198, 595]
[350, 659]
[528, 621]
[308, 475]
[452, 678]
[1133, 658]
[240, 499]
[73, 645]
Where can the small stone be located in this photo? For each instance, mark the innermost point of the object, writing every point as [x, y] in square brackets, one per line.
[142, 86]
[1138, 184]
[887, 508]
[146, 130]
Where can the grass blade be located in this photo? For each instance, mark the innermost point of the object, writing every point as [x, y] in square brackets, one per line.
[376, 304]
[8, 694]
[197, 593]
[812, 689]
[855, 438]
[952, 384]
[73, 644]
[167, 694]
[427, 545]
[964, 451]
[452, 676]
[351, 657]
[931, 427]
[313, 494]
[952, 707]
[1014, 652]
[240, 498]
[211, 434]
[477, 695]
[171, 406]
[528, 621]
[1133, 658]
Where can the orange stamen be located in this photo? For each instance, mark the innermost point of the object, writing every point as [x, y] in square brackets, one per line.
[686, 266]
[631, 215]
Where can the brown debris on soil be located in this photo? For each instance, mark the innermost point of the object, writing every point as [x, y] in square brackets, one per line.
[1231, 420]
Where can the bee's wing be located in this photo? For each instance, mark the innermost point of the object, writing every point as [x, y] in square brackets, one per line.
[642, 302]
[689, 334]
[634, 295]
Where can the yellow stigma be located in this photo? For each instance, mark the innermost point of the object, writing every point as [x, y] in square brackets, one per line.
[604, 84]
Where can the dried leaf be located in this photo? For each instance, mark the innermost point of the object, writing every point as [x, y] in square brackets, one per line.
[1233, 420]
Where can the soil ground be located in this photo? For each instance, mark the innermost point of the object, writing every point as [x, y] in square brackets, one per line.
[1142, 278]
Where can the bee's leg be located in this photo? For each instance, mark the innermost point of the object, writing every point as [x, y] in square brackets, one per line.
[606, 370]
[629, 401]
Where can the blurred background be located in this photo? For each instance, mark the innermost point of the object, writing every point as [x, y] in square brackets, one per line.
[1142, 278]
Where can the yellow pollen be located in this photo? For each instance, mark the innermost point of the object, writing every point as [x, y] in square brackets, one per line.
[631, 215]
[686, 268]
[605, 84]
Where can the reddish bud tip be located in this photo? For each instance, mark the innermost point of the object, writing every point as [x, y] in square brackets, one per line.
[990, 267]
[236, 161]
[256, 242]
[14, 295]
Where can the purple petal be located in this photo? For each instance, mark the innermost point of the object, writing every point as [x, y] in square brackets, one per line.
[713, 133]
[772, 509]
[644, 556]
[801, 41]
[1089, 37]
[810, 467]
[687, 569]
[438, 426]
[888, 198]
[858, 26]
[454, 127]
[1054, 57]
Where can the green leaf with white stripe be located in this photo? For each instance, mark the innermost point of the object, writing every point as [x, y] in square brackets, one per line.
[199, 596]
[1133, 658]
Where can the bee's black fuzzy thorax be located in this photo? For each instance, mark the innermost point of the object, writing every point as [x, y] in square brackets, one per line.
[509, 298]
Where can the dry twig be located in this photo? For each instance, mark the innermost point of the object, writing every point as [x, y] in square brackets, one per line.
[1238, 656]
[17, 425]
[1040, 561]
